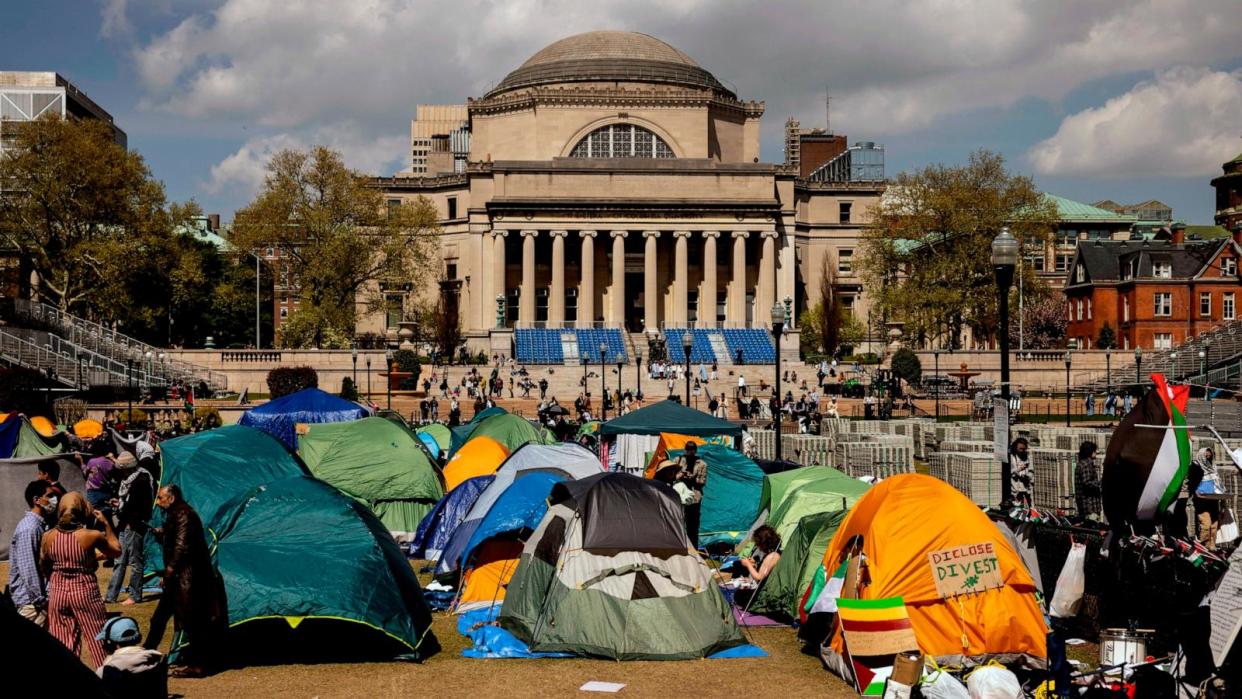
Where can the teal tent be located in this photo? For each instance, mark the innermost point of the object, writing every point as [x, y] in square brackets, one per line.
[730, 497]
[379, 462]
[309, 572]
[670, 416]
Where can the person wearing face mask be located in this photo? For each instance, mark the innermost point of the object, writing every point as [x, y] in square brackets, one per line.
[27, 584]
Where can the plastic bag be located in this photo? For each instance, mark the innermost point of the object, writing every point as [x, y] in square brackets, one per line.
[1228, 530]
[994, 682]
[942, 685]
[1068, 595]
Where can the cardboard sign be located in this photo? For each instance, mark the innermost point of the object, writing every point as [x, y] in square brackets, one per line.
[965, 569]
[1226, 611]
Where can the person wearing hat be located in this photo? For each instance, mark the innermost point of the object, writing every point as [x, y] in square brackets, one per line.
[692, 473]
[135, 498]
[130, 670]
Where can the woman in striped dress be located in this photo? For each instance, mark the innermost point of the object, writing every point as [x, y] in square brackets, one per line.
[75, 608]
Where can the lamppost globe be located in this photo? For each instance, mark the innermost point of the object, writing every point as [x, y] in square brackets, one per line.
[1005, 249]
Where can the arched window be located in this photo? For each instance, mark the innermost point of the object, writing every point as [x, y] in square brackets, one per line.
[621, 141]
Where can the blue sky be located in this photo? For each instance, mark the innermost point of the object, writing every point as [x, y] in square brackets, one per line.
[1094, 98]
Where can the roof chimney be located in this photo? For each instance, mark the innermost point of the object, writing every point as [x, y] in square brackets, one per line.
[213, 222]
[1179, 233]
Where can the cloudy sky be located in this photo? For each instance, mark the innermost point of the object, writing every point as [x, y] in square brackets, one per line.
[1094, 98]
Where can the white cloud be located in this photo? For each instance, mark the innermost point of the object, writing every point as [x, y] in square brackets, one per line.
[1184, 123]
[115, 20]
[243, 172]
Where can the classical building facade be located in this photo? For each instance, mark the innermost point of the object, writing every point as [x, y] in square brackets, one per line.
[613, 182]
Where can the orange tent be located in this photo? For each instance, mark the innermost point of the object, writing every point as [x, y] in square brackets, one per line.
[906, 519]
[484, 583]
[43, 425]
[480, 456]
[88, 428]
[669, 442]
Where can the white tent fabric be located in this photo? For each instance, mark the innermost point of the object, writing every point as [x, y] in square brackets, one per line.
[632, 451]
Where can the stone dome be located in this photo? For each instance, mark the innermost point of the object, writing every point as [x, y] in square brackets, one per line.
[609, 56]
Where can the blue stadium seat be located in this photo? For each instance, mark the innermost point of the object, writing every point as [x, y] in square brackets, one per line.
[538, 346]
[700, 348]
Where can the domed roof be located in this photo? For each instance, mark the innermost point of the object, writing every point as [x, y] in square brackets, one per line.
[609, 56]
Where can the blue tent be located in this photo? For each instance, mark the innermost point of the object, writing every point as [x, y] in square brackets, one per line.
[310, 405]
[9, 429]
[438, 526]
[521, 506]
[433, 447]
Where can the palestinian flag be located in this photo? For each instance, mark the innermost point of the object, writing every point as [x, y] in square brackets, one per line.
[823, 592]
[875, 631]
[1145, 465]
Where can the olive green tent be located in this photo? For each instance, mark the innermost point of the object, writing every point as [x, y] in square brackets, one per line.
[510, 430]
[311, 573]
[801, 556]
[792, 495]
[30, 443]
[379, 462]
[438, 432]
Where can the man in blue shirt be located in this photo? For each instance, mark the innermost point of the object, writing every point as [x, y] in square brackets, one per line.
[27, 585]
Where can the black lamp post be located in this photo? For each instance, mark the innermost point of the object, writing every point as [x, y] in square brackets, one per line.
[368, 377]
[619, 366]
[603, 386]
[1138, 366]
[687, 343]
[1203, 372]
[778, 329]
[82, 381]
[129, 390]
[1004, 261]
[388, 356]
[1068, 362]
[1108, 371]
[638, 363]
[936, 354]
[353, 353]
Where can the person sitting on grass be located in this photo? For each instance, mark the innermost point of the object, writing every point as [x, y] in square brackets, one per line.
[130, 670]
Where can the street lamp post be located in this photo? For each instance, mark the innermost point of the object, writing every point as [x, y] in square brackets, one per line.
[778, 329]
[619, 367]
[388, 356]
[1138, 366]
[368, 377]
[1068, 362]
[1207, 393]
[603, 386]
[638, 363]
[1203, 373]
[687, 343]
[353, 354]
[1108, 372]
[1004, 259]
[936, 354]
[129, 390]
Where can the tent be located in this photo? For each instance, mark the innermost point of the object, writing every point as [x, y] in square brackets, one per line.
[791, 495]
[15, 474]
[669, 442]
[801, 554]
[730, 497]
[494, 546]
[43, 426]
[10, 431]
[30, 443]
[460, 434]
[430, 444]
[609, 573]
[510, 430]
[480, 456]
[567, 461]
[88, 428]
[438, 526]
[902, 521]
[310, 405]
[637, 433]
[299, 558]
[379, 462]
[441, 434]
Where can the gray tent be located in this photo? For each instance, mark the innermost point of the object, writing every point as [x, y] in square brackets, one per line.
[14, 475]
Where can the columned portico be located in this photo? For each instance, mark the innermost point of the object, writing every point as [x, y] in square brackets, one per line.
[499, 282]
[586, 288]
[681, 278]
[765, 286]
[616, 292]
[707, 298]
[526, 302]
[651, 303]
[556, 290]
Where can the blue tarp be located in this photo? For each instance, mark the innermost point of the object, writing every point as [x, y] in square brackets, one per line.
[521, 506]
[310, 405]
[9, 429]
[438, 526]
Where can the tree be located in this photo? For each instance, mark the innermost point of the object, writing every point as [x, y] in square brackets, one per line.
[85, 212]
[926, 255]
[906, 365]
[340, 240]
[445, 320]
[1043, 324]
[1107, 338]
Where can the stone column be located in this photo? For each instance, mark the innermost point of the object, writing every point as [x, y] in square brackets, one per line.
[556, 291]
[651, 303]
[616, 293]
[681, 278]
[737, 285]
[707, 297]
[765, 289]
[526, 302]
[499, 283]
[586, 287]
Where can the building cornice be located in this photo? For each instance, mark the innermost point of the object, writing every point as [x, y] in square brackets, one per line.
[619, 97]
[418, 184]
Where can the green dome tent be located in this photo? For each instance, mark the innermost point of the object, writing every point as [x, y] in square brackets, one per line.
[298, 558]
[510, 430]
[379, 462]
[792, 495]
[32, 444]
[438, 432]
[801, 555]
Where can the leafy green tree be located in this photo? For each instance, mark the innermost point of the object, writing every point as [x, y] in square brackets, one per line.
[926, 255]
[1107, 338]
[341, 241]
[906, 365]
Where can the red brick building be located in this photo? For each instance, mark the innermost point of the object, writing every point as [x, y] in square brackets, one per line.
[1154, 294]
[1229, 195]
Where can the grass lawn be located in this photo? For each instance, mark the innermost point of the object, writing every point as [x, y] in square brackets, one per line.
[787, 672]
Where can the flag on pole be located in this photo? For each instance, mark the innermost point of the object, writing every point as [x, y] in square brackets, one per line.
[875, 631]
[823, 592]
[1146, 465]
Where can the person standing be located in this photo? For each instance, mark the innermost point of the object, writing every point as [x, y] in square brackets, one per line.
[68, 558]
[692, 473]
[193, 592]
[27, 583]
[98, 473]
[135, 497]
[1088, 494]
[49, 471]
[1020, 471]
[1207, 496]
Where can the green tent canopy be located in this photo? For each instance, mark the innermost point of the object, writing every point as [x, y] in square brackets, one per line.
[670, 416]
[802, 554]
[379, 462]
[438, 432]
[510, 430]
[31, 444]
[309, 571]
[792, 495]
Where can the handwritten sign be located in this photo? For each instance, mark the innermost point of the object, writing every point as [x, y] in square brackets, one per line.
[965, 569]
